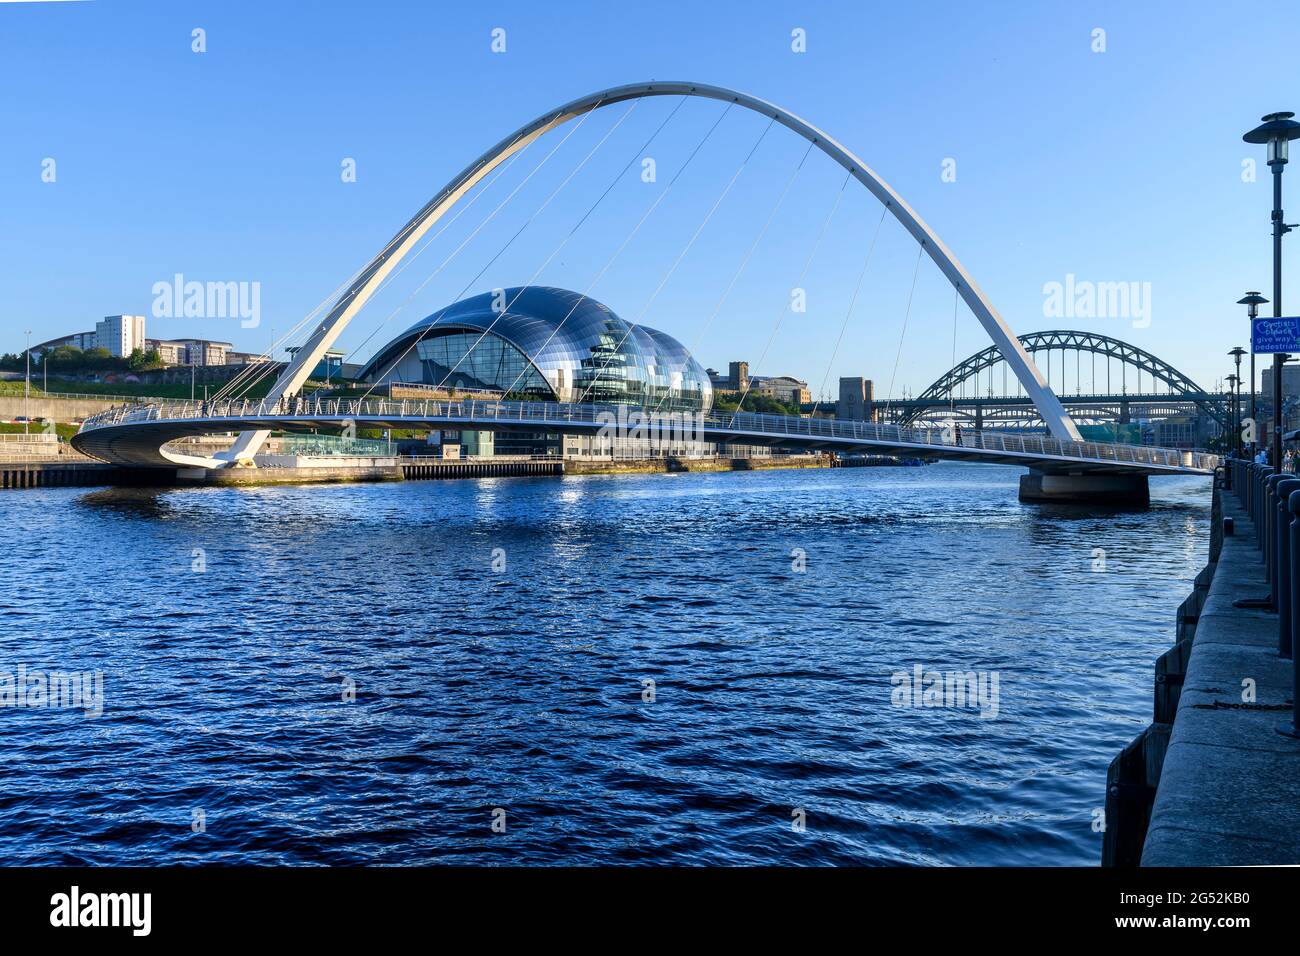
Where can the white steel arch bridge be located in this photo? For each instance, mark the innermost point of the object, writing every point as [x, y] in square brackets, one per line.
[140, 435]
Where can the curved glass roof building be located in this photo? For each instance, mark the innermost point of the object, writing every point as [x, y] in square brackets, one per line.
[549, 343]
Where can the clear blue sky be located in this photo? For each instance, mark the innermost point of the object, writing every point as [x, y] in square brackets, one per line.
[225, 166]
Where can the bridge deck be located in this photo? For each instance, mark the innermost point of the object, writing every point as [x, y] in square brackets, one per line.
[136, 434]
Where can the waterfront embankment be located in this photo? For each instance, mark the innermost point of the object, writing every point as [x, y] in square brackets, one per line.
[288, 469]
[80, 473]
[648, 466]
[1211, 782]
[53, 408]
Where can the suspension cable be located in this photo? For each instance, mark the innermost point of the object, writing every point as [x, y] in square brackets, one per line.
[735, 277]
[849, 311]
[907, 315]
[258, 374]
[537, 272]
[409, 259]
[623, 245]
[498, 253]
[952, 400]
[256, 371]
[537, 212]
[554, 252]
[680, 256]
[740, 404]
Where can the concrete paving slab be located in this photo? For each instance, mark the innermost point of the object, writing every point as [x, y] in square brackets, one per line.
[1175, 847]
[1224, 666]
[1228, 792]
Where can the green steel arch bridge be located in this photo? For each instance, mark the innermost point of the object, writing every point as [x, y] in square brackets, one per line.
[1133, 384]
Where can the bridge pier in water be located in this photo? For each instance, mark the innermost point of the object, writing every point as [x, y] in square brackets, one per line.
[1125, 490]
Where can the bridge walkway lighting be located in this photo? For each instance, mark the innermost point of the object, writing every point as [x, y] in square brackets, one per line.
[1277, 130]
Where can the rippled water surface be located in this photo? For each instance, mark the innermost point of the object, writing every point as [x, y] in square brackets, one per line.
[522, 689]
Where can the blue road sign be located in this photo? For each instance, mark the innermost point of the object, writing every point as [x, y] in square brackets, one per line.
[1271, 336]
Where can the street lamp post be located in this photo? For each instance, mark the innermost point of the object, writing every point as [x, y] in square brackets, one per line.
[1233, 382]
[1276, 130]
[27, 385]
[1235, 418]
[1237, 408]
[1252, 301]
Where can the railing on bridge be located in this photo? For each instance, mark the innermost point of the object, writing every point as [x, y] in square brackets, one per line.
[741, 424]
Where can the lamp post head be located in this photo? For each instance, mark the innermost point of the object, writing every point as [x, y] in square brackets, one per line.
[1232, 381]
[1252, 301]
[1277, 129]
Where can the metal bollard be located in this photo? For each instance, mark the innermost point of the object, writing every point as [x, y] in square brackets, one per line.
[1250, 488]
[1252, 494]
[1260, 511]
[1260, 530]
[1283, 490]
[1256, 485]
[1270, 534]
[1269, 507]
[1292, 728]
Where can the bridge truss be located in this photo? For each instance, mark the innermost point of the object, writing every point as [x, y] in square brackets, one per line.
[970, 390]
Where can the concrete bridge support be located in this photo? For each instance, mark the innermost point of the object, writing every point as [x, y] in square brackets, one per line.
[1123, 490]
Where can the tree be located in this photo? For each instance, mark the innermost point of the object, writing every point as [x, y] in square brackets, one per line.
[139, 360]
[754, 403]
[66, 357]
[100, 359]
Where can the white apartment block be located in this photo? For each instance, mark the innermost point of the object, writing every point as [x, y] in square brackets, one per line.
[120, 334]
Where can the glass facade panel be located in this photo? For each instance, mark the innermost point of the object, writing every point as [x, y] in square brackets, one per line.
[476, 360]
[578, 348]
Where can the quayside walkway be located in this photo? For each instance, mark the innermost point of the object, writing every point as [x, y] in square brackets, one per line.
[1227, 782]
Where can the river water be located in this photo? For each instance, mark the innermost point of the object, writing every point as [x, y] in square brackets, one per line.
[664, 669]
